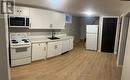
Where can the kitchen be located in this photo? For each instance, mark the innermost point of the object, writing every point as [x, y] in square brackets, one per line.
[40, 46]
[47, 43]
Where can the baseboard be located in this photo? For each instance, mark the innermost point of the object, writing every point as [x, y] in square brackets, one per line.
[119, 65]
[99, 50]
[115, 52]
[77, 41]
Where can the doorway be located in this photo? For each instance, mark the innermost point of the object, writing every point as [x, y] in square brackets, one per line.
[109, 34]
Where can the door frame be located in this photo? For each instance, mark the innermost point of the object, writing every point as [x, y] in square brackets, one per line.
[125, 69]
[100, 33]
[125, 22]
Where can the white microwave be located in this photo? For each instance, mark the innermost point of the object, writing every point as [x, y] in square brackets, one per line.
[19, 22]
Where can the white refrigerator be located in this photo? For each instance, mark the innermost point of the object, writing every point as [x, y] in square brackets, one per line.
[91, 37]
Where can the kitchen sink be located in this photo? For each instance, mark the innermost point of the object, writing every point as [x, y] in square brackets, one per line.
[53, 38]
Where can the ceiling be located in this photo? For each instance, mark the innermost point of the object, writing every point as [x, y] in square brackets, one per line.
[78, 7]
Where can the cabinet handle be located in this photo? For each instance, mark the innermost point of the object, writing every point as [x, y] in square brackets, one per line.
[30, 24]
[51, 25]
[56, 46]
[39, 44]
[44, 48]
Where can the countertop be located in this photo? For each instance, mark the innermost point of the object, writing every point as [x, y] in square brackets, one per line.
[45, 39]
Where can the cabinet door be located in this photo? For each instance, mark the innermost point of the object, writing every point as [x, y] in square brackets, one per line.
[58, 47]
[91, 41]
[38, 51]
[24, 11]
[54, 49]
[66, 45]
[40, 19]
[51, 49]
[58, 20]
[71, 44]
[21, 11]
[44, 50]
[16, 12]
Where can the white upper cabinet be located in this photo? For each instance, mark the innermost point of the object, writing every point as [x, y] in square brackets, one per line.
[24, 11]
[21, 11]
[58, 20]
[45, 19]
[40, 19]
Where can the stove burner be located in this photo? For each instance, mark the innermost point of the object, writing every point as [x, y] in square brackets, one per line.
[14, 41]
[19, 39]
[25, 40]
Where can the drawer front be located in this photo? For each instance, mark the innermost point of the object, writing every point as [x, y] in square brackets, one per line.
[20, 62]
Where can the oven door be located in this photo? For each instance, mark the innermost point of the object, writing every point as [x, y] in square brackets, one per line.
[20, 53]
[27, 22]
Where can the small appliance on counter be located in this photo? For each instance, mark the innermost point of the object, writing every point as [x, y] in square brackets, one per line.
[20, 49]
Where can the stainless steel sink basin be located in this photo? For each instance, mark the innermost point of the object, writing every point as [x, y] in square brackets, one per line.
[53, 38]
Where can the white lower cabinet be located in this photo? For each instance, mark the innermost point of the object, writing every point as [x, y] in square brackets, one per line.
[71, 43]
[66, 45]
[58, 48]
[51, 49]
[54, 49]
[39, 51]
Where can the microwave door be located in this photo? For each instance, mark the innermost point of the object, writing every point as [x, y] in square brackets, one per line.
[27, 22]
[17, 22]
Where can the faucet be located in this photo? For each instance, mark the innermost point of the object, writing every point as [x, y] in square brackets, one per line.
[53, 33]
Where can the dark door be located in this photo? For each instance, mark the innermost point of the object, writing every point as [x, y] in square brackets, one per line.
[108, 34]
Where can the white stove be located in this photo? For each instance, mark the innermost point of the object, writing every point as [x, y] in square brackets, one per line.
[20, 49]
[18, 39]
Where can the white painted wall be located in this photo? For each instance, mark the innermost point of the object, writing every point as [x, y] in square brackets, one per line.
[126, 66]
[123, 38]
[87, 21]
[4, 58]
[73, 29]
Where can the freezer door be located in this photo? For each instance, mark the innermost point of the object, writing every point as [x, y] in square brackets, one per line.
[92, 29]
[91, 41]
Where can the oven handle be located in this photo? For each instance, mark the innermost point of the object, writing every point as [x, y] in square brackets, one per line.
[21, 46]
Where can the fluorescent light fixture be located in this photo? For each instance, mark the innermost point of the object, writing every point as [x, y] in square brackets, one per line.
[89, 13]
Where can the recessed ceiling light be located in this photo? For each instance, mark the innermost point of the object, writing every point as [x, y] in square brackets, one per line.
[89, 13]
[56, 3]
